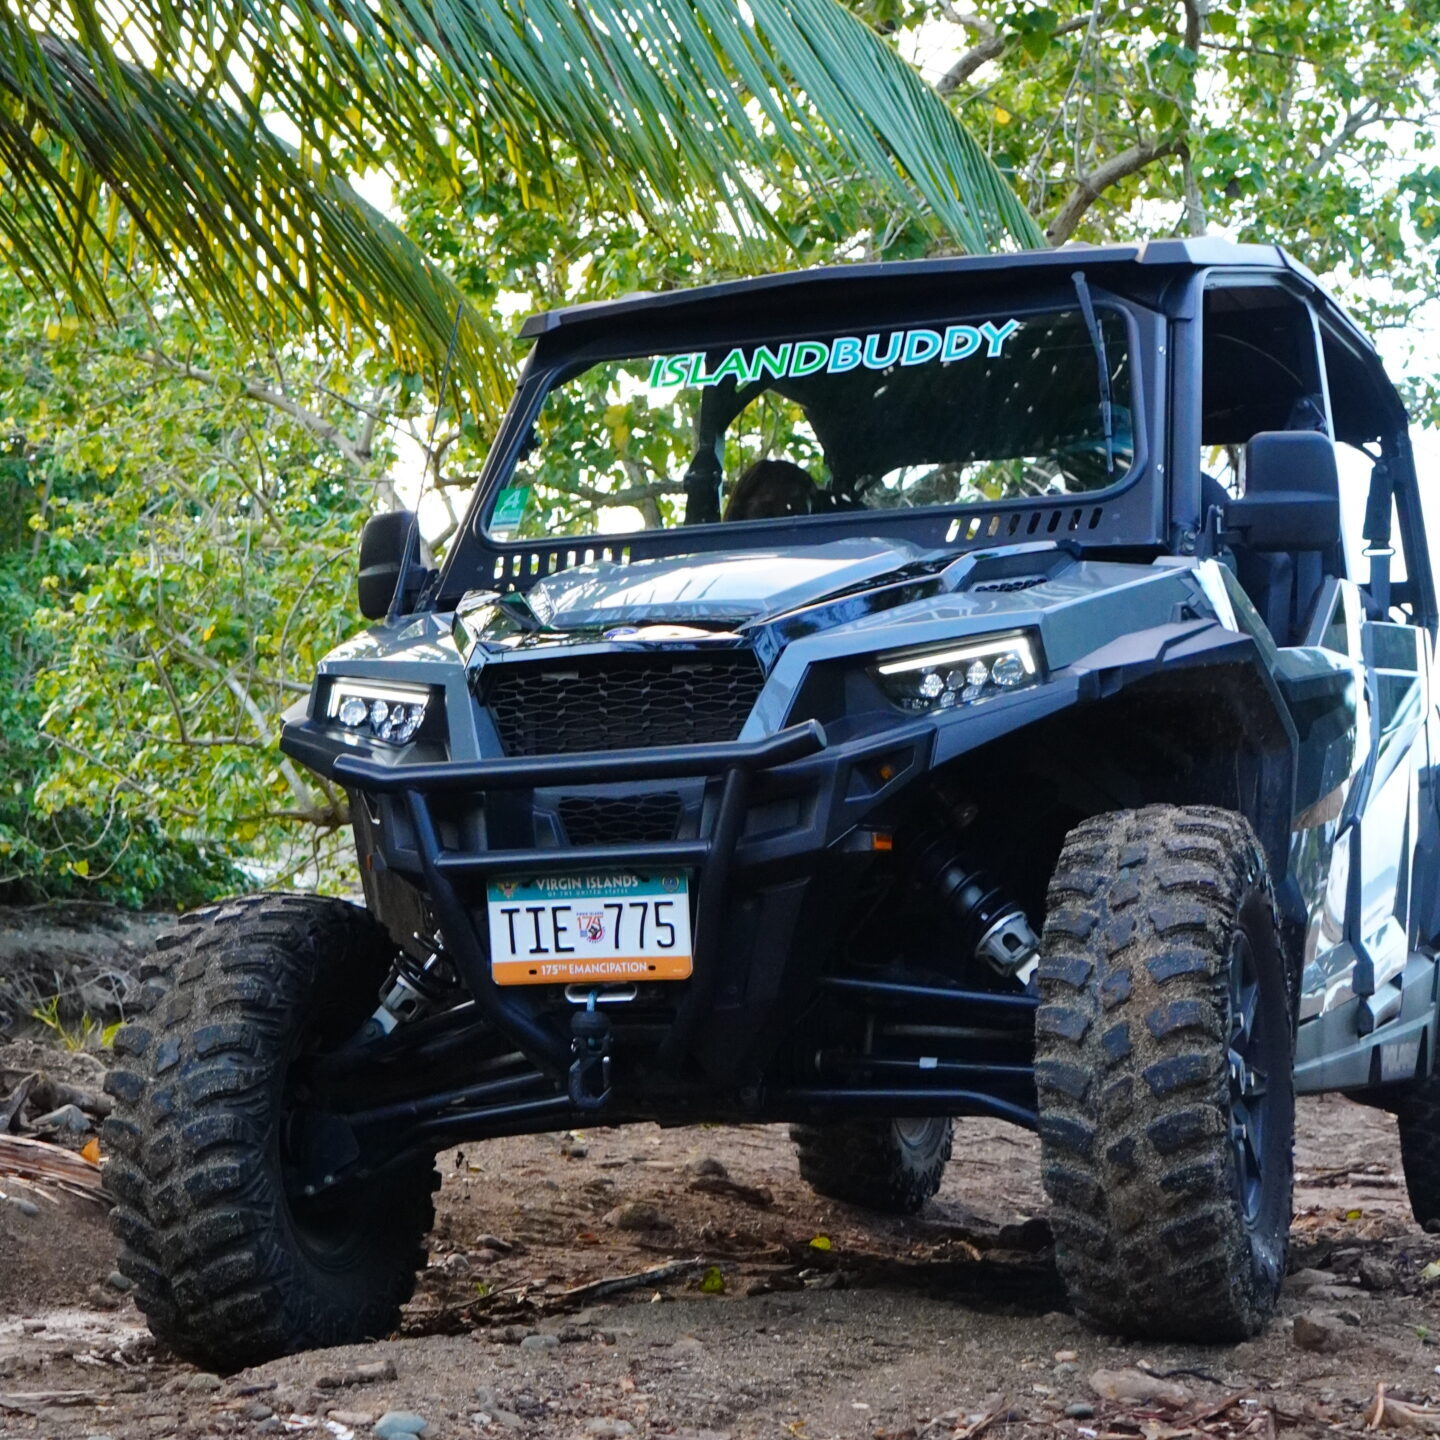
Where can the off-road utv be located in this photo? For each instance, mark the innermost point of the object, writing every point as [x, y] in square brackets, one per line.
[857, 698]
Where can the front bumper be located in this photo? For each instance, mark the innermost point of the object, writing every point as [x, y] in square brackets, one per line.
[752, 877]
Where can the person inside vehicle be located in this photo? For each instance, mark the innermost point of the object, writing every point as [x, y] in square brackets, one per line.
[770, 489]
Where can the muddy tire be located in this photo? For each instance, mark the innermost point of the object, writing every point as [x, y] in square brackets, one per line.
[1164, 1046]
[1418, 1111]
[229, 1266]
[889, 1165]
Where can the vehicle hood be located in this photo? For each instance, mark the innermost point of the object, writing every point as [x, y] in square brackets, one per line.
[729, 586]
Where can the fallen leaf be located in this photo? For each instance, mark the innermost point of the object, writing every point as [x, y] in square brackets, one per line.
[91, 1150]
[712, 1282]
[821, 1242]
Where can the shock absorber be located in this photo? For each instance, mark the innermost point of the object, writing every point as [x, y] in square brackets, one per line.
[992, 926]
[414, 988]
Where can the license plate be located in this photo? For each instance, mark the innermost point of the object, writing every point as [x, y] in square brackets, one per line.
[597, 929]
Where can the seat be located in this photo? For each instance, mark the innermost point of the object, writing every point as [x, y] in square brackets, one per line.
[1284, 585]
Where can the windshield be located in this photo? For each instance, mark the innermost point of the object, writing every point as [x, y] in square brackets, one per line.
[951, 414]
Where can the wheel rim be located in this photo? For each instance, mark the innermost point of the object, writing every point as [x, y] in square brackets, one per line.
[1247, 1057]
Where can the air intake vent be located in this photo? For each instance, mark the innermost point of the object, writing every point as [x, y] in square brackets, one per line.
[616, 702]
[1020, 582]
[612, 819]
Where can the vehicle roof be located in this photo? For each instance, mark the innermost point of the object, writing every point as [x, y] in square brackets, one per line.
[770, 293]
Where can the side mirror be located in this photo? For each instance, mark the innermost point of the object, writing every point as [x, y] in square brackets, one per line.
[382, 552]
[1292, 493]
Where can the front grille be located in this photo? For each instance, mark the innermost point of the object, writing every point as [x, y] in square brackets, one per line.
[611, 819]
[616, 702]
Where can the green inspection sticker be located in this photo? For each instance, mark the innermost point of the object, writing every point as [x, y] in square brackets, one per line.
[510, 507]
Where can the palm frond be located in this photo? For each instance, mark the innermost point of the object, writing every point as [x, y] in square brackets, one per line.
[170, 116]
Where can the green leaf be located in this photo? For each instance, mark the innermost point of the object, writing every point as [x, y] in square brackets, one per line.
[670, 108]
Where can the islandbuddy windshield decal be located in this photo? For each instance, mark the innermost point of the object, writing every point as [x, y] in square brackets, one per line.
[795, 359]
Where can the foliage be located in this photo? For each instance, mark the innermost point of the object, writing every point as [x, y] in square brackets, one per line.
[185, 557]
[86, 1034]
[175, 118]
[1309, 123]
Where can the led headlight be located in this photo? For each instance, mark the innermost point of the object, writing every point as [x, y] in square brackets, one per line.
[378, 709]
[941, 678]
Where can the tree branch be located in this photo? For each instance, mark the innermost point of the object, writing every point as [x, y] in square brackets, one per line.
[1355, 121]
[1089, 188]
[1195, 12]
[316, 424]
[304, 799]
[990, 47]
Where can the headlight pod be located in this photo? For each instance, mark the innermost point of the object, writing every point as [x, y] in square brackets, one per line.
[379, 710]
[943, 677]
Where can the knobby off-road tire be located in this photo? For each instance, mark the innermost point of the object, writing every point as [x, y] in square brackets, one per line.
[1418, 1111]
[1166, 1024]
[229, 1266]
[889, 1165]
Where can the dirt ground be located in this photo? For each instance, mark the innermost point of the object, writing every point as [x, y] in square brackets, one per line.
[831, 1322]
[771, 1312]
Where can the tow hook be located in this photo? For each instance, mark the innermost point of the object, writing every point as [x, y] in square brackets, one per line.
[590, 1035]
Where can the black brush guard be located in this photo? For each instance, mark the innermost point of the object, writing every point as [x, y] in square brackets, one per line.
[439, 868]
[516, 1079]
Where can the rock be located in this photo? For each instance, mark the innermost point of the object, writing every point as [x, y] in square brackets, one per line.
[706, 1165]
[1080, 1410]
[67, 1120]
[571, 1334]
[1338, 1293]
[395, 1424]
[28, 1208]
[636, 1215]
[1065, 1369]
[116, 1281]
[256, 1411]
[354, 1419]
[203, 1384]
[608, 1429]
[1319, 1333]
[492, 1409]
[494, 1242]
[456, 1264]
[1308, 1279]
[273, 1426]
[34, 1327]
[1244, 1355]
[1066, 1357]
[687, 1347]
[573, 1149]
[538, 1341]
[511, 1334]
[367, 1374]
[1376, 1274]
[1033, 1235]
[1136, 1387]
